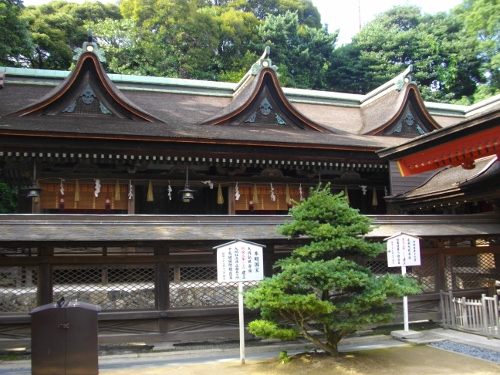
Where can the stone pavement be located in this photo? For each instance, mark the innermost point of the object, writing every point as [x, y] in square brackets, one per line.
[164, 353]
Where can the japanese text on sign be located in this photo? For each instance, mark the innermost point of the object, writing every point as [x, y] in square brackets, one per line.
[239, 261]
[403, 250]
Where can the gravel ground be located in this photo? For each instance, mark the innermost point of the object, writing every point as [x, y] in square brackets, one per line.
[471, 351]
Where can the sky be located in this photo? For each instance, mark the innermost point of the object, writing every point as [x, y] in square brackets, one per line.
[345, 14]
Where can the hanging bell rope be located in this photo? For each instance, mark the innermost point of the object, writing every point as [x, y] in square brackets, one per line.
[220, 198]
[117, 191]
[150, 197]
[77, 191]
[374, 198]
[255, 195]
[346, 193]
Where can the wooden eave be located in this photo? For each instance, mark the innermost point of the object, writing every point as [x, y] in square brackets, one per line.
[63, 89]
[124, 143]
[457, 145]
[412, 94]
[72, 230]
[263, 76]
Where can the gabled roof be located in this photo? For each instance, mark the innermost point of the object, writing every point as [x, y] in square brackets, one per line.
[460, 144]
[400, 112]
[87, 91]
[259, 100]
[454, 184]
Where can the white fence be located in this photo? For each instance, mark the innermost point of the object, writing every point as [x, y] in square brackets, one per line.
[476, 316]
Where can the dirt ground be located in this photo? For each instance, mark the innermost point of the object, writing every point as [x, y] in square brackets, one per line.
[411, 360]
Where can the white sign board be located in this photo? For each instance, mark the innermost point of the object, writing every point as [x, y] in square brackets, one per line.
[403, 250]
[239, 261]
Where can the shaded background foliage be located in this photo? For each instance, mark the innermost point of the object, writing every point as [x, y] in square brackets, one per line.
[456, 55]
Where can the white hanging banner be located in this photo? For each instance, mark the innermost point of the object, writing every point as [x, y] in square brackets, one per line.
[239, 261]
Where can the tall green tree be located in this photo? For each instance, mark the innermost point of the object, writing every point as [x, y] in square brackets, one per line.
[307, 12]
[237, 39]
[57, 28]
[14, 36]
[482, 21]
[181, 39]
[446, 66]
[320, 287]
[301, 52]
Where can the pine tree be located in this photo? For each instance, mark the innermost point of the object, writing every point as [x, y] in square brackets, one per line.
[320, 291]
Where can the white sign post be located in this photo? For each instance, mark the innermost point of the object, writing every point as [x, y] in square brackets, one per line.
[239, 261]
[403, 250]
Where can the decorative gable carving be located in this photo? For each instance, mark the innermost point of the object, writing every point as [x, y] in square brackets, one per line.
[408, 125]
[87, 104]
[261, 102]
[412, 120]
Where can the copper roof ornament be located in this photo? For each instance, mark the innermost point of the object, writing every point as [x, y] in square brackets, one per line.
[90, 46]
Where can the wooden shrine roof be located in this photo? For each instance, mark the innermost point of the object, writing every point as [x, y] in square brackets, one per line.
[145, 229]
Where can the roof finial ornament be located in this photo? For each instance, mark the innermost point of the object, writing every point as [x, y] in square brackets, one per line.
[89, 46]
[406, 77]
[264, 62]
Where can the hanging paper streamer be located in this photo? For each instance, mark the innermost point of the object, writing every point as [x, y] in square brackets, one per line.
[385, 191]
[346, 193]
[255, 195]
[169, 191]
[150, 197]
[374, 198]
[220, 198]
[117, 191]
[97, 187]
[363, 189]
[236, 193]
[209, 183]
[61, 186]
[287, 196]
[301, 197]
[77, 191]
[273, 197]
[130, 190]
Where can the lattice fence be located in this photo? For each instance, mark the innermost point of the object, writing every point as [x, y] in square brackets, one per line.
[425, 274]
[17, 289]
[195, 286]
[472, 270]
[112, 288]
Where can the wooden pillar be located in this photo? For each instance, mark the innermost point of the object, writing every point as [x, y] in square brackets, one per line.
[162, 290]
[268, 260]
[44, 277]
[230, 200]
[441, 268]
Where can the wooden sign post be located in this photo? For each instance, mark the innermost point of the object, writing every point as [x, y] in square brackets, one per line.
[403, 250]
[239, 261]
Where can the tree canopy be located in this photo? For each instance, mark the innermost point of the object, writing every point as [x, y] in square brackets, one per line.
[455, 55]
[14, 35]
[446, 66]
[320, 287]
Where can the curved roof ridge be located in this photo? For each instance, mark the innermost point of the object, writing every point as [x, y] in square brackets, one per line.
[87, 62]
[391, 106]
[249, 91]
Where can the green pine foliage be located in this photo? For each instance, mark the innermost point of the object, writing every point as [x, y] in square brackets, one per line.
[320, 291]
